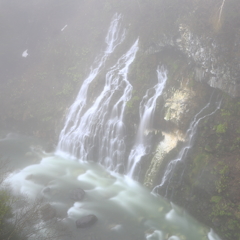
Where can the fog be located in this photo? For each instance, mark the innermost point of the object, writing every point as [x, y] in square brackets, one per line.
[132, 106]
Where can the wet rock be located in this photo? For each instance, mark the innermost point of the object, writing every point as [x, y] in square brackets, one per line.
[115, 227]
[216, 222]
[208, 54]
[178, 105]
[29, 154]
[46, 190]
[29, 177]
[169, 142]
[49, 148]
[86, 221]
[77, 194]
[48, 212]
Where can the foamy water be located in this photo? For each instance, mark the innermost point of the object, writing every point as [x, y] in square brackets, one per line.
[125, 209]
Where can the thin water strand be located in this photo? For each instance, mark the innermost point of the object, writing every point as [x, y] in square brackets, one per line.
[146, 111]
[190, 141]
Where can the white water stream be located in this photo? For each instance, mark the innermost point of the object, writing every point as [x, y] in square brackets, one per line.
[69, 139]
[146, 111]
[99, 131]
[125, 209]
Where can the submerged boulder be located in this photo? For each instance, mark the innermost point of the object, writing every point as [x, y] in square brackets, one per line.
[48, 212]
[86, 221]
[77, 194]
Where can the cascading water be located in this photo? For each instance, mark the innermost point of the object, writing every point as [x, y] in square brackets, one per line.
[99, 131]
[69, 132]
[169, 171]
[146, 111]
[111, 134]
[101, 127]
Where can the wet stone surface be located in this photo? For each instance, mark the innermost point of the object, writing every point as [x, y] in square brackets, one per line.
[86, 221]
[77, 194]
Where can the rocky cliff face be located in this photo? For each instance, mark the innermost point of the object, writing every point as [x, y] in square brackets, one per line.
[201, 50]
[204, 178]
[208, 56]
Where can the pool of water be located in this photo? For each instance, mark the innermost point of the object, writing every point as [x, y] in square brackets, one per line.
[125, 210]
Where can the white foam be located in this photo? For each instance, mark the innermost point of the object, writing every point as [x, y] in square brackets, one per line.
[174, 238]
[156, 235]
[213, 236]
[116, 228]
[118, 200]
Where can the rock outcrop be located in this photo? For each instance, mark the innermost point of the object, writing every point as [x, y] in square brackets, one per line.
[86, 221]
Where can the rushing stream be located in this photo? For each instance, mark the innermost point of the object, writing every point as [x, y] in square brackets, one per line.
[125, 209]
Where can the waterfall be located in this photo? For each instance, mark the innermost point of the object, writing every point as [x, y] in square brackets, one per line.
[114, 37]
[146, 112]
[109, 130]
[169, 171]
[97, 132]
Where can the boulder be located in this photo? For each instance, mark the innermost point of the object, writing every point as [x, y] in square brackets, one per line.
[77, 194]
[48, 212]
[86, 221]
[46, 190]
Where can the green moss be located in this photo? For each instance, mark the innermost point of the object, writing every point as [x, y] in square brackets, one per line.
[207, 148]
[225, 112]
[232, 224]
[168, 115]
[132, 102]
[66, 90]
[41, 75]
[223, 213]
[47, 119]
[221, 128]
[216, 199]
[191, 83]
[221, 171]
[238, 130]
[198, 163]
[222, 209]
